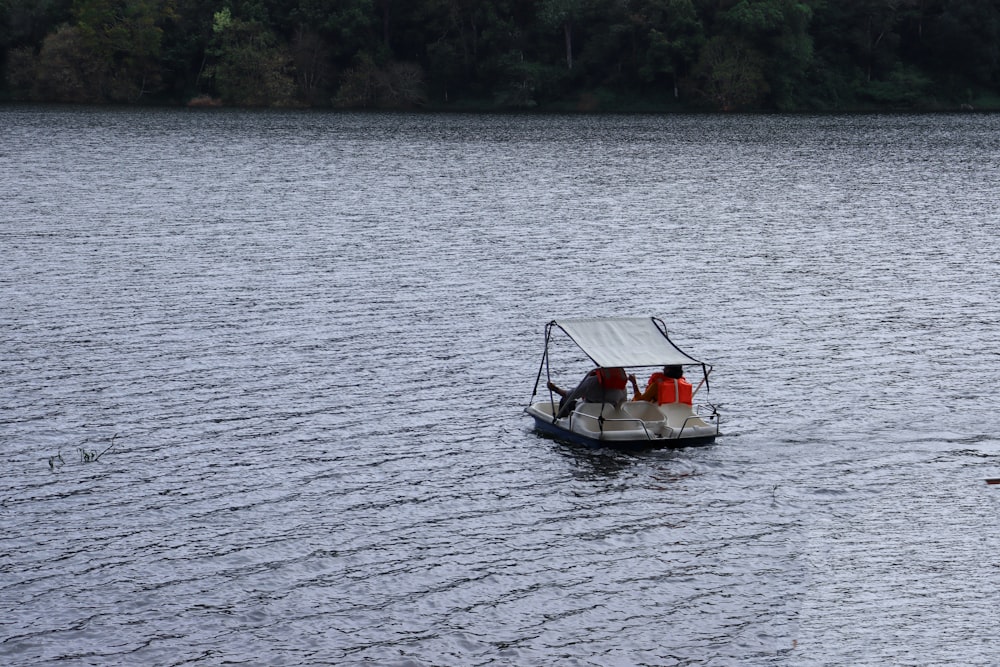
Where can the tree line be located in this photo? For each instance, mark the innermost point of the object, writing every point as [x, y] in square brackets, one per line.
[610, 55]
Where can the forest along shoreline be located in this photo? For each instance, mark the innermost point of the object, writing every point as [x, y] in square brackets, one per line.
[549, 55]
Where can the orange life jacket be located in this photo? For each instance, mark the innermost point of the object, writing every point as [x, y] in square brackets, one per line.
[671, 390]
[612, 378]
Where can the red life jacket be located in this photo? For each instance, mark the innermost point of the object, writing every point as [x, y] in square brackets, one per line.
[612, 378]
[672, 390]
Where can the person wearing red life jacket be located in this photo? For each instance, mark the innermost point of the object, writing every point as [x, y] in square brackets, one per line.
[601, 385]
[670, 386]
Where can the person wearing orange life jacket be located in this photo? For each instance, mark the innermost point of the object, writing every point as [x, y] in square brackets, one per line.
[601, 385]
[670, 386]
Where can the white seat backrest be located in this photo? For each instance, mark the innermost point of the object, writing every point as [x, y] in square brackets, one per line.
[681, 414]
[643, 410]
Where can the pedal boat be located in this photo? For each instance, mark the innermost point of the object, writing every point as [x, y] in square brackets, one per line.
[635, 344]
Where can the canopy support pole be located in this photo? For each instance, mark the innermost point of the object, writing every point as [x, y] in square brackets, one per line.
[705, 371]
[548, 377]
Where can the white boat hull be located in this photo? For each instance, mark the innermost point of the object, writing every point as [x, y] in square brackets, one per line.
[636, 425]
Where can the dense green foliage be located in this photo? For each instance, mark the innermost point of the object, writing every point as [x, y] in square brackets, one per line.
[651, 55]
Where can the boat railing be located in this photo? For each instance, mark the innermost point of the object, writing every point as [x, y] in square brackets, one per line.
[712, 418]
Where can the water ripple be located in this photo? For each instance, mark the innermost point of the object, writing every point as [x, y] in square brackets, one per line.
[300, 344]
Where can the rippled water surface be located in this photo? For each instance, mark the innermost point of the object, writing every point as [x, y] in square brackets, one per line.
[298, 346]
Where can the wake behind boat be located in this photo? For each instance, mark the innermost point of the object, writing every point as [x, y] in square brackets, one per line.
[597, 413]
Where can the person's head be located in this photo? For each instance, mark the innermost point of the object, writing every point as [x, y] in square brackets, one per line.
[673, 371]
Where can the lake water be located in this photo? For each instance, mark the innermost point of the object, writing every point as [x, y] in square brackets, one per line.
[298, 346]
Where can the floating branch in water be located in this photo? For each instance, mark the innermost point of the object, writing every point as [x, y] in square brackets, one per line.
[57, 458]
[92, 455]
[86, 455]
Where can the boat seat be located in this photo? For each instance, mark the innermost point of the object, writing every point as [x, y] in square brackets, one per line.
[614, 419]
[590, 412]
[548, 408]
[682, 416]
[643, 410]
[627, 422]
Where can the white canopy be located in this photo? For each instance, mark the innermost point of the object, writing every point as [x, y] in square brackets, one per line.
[633, 341]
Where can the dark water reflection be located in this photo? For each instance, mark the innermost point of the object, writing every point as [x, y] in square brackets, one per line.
[313, 335]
